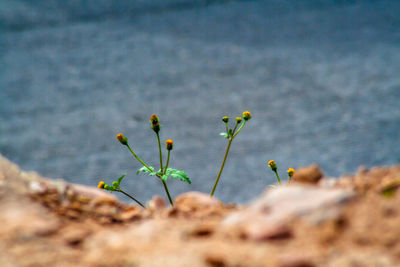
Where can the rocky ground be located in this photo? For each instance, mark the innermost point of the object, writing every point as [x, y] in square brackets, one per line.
[315, 221]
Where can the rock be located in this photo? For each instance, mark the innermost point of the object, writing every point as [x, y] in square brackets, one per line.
[310, 175]
[8, 170]
[195, 200]
[132, 213]
[196, 204]
[46, 222]
[295, 260]
[267, 217]
[215, 261]
[157, 203]
[74, 236]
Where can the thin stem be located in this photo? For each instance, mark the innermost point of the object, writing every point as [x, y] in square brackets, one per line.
[240, 128]
[166, 165]
[226, 125]
[277, 176]
[141, 161]
[234, 129]
[131, 197]
[222, 166]
[167, 191]
[161, 168]
[159, 148]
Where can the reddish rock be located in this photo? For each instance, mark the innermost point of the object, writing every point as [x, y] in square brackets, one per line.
[309, 175]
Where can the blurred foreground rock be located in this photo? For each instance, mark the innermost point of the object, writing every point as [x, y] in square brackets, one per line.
[350, 221]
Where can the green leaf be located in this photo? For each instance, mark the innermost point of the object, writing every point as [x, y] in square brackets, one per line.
[109, 188]
[224, 134]
[120, 179]
[178, 174]
[145, 170]
[230, 132]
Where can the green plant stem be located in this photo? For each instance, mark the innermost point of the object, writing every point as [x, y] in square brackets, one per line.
[240, 128]
[167, 191]
[226, 126]
[141, 161]
[131, 197]
[234, 128]
[159, 149]
[222, 166]
[277, 176]
[161, 168]
[166, 165]
[158, 175]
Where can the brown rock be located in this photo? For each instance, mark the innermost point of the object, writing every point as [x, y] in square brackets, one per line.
[157, 203]
[295, 260]
[310, 175]
[195, 200]
[74, 236]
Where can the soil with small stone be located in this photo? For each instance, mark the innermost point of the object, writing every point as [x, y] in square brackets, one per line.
[353, 220]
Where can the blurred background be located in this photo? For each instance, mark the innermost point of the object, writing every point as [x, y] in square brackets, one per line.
[321, 78]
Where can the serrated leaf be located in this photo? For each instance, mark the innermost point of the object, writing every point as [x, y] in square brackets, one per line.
[177, 174]
[145, 170]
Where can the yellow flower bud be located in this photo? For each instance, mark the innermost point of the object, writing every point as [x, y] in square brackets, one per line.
[170, 144]
[238, 120]
[100, 185]
[246, 115]
[290, 172]
[272, 165]
[225, 119]
[122, 139]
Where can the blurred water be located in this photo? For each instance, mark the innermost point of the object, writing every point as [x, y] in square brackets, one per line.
[320, 77]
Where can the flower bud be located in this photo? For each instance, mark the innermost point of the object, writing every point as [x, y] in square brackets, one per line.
[290, 172]
[246, 115]
[155, 127]
[170, 144]
[100, 185]
[225, 119]
[122, 139]
[154, 119]
[238, 120]
[272, 165]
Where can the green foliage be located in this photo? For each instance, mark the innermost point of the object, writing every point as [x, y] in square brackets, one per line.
[224, 134]
[230, 134]
[146, 171]
[173, 173]
[177, 174]
[115, 185]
